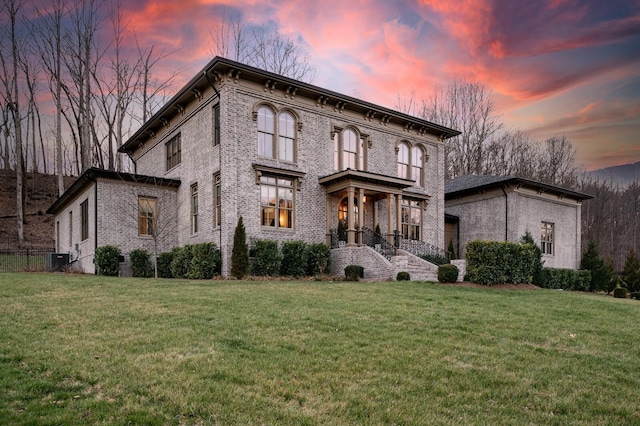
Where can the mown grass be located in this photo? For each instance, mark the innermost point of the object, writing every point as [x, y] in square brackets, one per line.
[93, 350]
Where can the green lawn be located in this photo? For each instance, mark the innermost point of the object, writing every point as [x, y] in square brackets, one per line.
[82, 350]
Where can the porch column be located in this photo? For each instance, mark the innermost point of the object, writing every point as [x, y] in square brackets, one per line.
[328, 214]
[351, 225]
[360, 214]
[398, 215]
[389, 220]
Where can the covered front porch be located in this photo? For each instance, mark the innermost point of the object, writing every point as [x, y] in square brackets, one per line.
[370, 209]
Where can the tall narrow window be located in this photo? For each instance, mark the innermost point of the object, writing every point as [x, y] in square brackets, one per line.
[403, 160]
[173, 150]
[58, 236]
[265, 132]
[546, 238]
[71, 229]
[216, 125]
[147, 215]
[84, 219]
[194, 208]
[416, 165]
[216, 200]
[276, 202]
[410, 163]
[343, 212]
[286, 136]
[349, 150]
[411, 219]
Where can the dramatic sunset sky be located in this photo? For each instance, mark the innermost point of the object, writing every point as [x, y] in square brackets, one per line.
[556, 67]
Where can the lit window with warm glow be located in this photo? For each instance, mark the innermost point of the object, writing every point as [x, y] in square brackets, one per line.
[276, 202]
[411, 215]
[146, 215]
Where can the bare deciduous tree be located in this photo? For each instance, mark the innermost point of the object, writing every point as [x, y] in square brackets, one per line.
[262, 49]
[466, 106]
[9, 62]
[48, 43]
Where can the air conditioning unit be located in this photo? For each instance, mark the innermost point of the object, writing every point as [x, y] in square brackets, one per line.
[56, 261]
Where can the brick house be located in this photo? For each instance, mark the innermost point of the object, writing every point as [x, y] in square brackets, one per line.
[291, 158]
[503, 208]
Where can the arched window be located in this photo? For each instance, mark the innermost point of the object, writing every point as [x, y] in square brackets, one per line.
[411, 162]
[282, 148]
[403, 160]
[416, 165]
[343, 211]
[349, 150]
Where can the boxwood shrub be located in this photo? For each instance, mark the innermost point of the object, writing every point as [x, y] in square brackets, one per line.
[318, 259]
[448, 273]
[354, 272]
[497, 262]
[294, 259]
[107, 260]
[141, 265]
[164, 264]
[403, 276]
[197, 261]
[565, 279]
[266, 258]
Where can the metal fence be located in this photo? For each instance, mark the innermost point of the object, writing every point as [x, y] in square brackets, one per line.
[21, 260]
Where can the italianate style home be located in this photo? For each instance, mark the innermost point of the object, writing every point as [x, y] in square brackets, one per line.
[295, 161]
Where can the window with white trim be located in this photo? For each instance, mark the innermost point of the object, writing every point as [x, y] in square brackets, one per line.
[276, 202]
[546, 238]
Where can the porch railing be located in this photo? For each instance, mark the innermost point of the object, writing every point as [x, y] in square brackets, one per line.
[378, 243]
[424, 250]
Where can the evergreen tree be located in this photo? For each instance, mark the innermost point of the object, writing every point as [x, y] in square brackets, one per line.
[240, 252]
[592, 262]
[537, 271]
[452, 250]
[631, 271]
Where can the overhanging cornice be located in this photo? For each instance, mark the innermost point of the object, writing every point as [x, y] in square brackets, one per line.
[365, 180]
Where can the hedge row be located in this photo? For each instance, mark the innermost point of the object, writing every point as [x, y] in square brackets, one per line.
[192, 261]
[498, 262]
[295, 259]
[565, 279]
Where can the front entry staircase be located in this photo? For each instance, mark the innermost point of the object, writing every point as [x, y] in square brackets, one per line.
[382, 259]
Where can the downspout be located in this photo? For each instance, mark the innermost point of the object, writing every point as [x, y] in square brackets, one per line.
[506, 214]
[95, 222]
[206, 76]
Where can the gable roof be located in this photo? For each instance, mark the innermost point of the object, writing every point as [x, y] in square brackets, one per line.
[221, 68]
[469, 184]
[92, 174]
